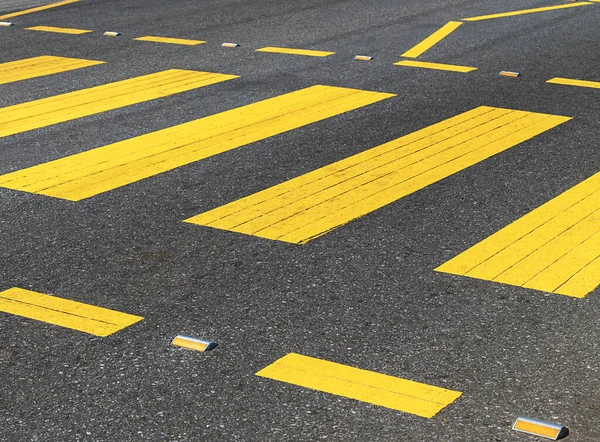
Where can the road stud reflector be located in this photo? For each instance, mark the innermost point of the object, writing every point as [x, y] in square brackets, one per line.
[112, 34]
[230, 45]
[6, 23]
[193, 343]
[363, 58]
[540, 428]
[509, 74]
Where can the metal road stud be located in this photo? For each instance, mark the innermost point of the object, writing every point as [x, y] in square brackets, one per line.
[6, 23]
[193, 343]
[540, 428]
[363, 58]
[509, 74]
[112, 34]
[230, 45]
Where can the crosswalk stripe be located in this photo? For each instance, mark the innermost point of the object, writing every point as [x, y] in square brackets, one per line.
[313, 204]
[54, 29]
[13, 71]
[363, 385]
[70, 106]
[555, 248]
[96, 171]
[65, 313]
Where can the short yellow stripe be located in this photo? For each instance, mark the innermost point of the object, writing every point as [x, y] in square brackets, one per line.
[366, 386]
[174, 41]
[570, 82]
[48, 111]
[65, 313]
[307, 52]
[99, 170]
[555, 248]
[59, 30]
[437, 66]
[308, 206]
[526, 11]
[40, 66]
[39, 8]
[432, 40]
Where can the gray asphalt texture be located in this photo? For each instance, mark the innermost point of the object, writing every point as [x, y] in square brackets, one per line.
[364, 295]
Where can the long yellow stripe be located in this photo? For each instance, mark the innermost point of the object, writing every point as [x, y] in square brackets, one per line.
[291, 51]
[436, 66]
[168, 40]
[310, 205]
[432, 40]
[39, 8]
[71, 31]
[571, 82]
[65, 313]
[40, 66]
[48, 111]
[526, 11]
[99, 170]
[363, 385]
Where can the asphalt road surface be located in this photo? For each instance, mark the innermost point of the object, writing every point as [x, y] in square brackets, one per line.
[337, 277]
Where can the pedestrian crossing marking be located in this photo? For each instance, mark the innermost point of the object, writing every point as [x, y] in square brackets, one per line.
[555, 248]
[38, 9]
[526, 11]
[65, 313]
[313, 204]
[59, 30]
[432, 40]
[291, 51]
[28, 68]
[363, 385]
[168, 40]
[96, 171]
[70, 106]
[571, 82]
[436, 66]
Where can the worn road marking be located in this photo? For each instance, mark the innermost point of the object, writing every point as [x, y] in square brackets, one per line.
[48, 111]
[526, 11]
[40, 66]
[437, 66]
[571, 82]
[71, 31]
[96, 171]
[555, 248]
[432, 40]
[313, 204]
[39, 8]
[70, 314]
[307, 52]
[174, 41]
[363, 385]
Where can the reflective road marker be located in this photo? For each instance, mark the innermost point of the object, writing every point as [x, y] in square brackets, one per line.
[437, 66]
[39, 8]
[193, 343]
[311, 205]
[366, 386]
[96, 171]
[174, 41]
[540, 428]
[526, 11]
[555, 248]
[69, 314]
[570, 82]
[59, 30]
[307, 52]
[432, 40]
[48, 111]
[40, 66]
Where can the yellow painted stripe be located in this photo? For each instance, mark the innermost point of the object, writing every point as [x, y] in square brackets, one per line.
[174, 41]
[526, 11]
[308, 206]
[366, 386]
[432, 40]
[38, 9]
[437, 66]
[40, 66]
[307, 52]
[70, 314]
[59, 30]
[555, 248]
[571, 82]
[99, 170]
[48, 111]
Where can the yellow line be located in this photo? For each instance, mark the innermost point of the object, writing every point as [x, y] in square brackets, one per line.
[174, 41]
[555, 248]
[40, 66]
[307, 52]
[99, 170]
[363, 385]
[59, 30]
[432, 40]
[437, 66]
[48, 111]
[313, 204]
[65, 313]
[39, 8]
[526, 11]
[570, 82]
